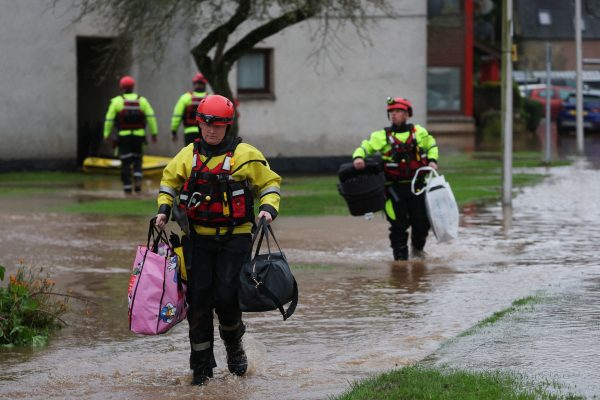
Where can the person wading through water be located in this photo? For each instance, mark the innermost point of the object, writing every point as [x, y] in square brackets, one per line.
[404, 148]
[215, 180]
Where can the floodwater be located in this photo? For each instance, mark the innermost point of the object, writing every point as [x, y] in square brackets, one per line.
[359, 313]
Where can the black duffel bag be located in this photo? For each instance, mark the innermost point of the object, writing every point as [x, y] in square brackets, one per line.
[266, 282]
[363, 190]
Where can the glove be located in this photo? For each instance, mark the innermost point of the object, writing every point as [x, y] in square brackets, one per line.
[154, 138]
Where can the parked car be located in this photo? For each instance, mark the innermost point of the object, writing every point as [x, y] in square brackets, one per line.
[566, 121]
[558, 94]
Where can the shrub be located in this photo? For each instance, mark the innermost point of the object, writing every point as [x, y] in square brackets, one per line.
[29, 308]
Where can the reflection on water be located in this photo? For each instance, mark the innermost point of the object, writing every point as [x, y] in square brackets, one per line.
[361, 315]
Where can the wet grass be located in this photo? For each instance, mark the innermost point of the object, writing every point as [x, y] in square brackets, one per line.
[420, 382]
[133, 207]
[517, 305]
[424, 381]
[474, 178]
[311, 267]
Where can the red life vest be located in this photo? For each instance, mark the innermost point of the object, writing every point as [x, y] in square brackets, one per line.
[131, 115]
[406, 157]
[189, 115]
[210, 197]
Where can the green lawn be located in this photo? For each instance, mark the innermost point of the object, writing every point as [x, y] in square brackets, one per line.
[473, 177]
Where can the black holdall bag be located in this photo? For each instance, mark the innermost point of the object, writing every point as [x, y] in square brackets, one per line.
[266, 281]
[363, 190]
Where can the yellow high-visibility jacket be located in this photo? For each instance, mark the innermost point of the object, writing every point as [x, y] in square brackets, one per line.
[247, 163]
[116, 105]
[378, 143]
[184, 101]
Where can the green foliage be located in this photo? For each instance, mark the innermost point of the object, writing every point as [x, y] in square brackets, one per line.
[533, 111]
[29, 309]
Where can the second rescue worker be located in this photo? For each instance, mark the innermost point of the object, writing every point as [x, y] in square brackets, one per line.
[185, 110]
[215, 180]
[404, 148]
[130, 112]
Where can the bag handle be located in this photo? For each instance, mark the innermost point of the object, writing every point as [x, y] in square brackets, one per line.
[156, 236]
[414, 179]
[265, 228]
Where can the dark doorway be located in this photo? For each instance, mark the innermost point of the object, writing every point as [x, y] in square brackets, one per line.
[99, 67]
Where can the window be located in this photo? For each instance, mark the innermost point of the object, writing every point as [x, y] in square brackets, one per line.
[254, 74]
[544, 17]
[443, 89]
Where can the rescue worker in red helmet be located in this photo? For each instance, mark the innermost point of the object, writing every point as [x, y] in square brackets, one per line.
[210, 187]
[131, 113]
[185, 110]
[404, 148]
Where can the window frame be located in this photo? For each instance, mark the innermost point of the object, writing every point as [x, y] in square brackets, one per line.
[267, 89]
[460, 77]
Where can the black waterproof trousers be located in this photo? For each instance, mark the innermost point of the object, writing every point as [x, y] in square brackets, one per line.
[213, 279]
[130, 154]
[410, 213]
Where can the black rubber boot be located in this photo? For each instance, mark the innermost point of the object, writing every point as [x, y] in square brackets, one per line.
[201, 376]
[137, 185]
[418, 253]
[401, 253]
[202, 363]
[237, 362]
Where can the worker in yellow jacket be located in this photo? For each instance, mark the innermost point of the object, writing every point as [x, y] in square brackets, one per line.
[130, 112]
[404, 148]
[185, 110]
[210, 186]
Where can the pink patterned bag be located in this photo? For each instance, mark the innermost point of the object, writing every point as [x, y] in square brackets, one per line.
[156, 292]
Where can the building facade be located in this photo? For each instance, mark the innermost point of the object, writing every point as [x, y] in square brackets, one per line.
[53, 101]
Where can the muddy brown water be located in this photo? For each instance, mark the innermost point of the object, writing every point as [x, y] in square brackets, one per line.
[359, 314]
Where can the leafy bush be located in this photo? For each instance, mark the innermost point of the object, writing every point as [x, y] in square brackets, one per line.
[533, 111]
[29, 309]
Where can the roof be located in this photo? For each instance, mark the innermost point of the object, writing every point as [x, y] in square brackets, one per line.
[554, 19]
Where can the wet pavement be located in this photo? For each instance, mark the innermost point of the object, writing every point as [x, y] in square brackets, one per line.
[359, 314]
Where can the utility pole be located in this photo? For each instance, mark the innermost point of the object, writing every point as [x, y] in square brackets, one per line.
[549, 91]
[579, 80]
[507, 103]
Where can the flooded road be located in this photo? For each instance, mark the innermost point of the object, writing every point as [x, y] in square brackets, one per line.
[358, 314]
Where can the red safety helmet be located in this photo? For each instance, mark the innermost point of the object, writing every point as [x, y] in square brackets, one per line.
[399, 103]
[127, 82]
[199, 78]
[215, 109]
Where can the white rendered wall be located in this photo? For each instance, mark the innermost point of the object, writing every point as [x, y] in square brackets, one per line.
[319, 111]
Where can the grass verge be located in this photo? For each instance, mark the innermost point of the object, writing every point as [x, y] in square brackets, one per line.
[422, 381]
[474, 177]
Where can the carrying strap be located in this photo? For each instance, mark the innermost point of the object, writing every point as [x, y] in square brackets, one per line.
[264, 228]
[156, 236]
